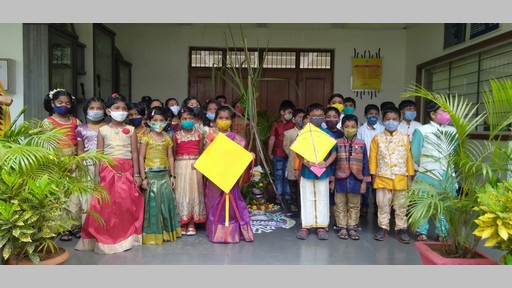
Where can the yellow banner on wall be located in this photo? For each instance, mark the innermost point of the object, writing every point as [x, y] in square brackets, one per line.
[366, 73]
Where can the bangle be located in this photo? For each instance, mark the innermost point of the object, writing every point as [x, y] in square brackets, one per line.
[172, 176]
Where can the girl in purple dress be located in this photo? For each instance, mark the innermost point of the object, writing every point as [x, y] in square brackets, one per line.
[239, 221]
[86, 136]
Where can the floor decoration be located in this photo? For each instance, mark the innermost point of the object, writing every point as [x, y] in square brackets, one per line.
[269, 219]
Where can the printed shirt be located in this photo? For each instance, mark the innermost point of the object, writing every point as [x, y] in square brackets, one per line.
[278, 132]
[391, 160]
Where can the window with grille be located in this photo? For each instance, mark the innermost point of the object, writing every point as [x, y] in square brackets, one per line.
[205, 58]
[470, 75]
[291, 59]
[315, 60]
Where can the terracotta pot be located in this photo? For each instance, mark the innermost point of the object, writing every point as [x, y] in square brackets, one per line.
[57, 260]
[432, 257]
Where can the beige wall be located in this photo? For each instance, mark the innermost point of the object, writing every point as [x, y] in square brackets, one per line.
[12, 47]
[159, 53]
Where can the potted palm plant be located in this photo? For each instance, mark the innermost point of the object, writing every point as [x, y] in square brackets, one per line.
[471, 164]
[36, 181]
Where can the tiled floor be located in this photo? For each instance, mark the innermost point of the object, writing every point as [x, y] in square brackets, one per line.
[279, 247]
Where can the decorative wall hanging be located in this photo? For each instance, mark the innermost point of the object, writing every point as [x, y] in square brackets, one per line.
[366, 73]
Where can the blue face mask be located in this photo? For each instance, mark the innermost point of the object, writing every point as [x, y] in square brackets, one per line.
[391, 125]
[187, 125]
[210, 116]
[410, 115]
[62, 110]
[298, 123]
[135, 122]
[348, 110]
[372, 119]
[317, 121]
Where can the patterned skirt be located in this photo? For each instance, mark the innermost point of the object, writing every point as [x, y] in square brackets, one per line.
[161, 222]
[189, 192]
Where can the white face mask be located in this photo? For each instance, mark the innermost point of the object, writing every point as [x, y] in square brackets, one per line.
[119, 116]
[95, 115]
[175, 109]
[288, 117]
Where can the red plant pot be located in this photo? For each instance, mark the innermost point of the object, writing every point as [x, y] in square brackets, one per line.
[430, 256]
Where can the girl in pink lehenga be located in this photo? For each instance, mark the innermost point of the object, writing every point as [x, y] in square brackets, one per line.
[123, 216]
[239, 227]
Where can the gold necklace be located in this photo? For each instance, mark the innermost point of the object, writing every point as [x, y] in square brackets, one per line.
[95, 126]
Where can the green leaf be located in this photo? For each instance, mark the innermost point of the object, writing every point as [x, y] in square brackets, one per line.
[7, 250]
[503, 232]
[34, 257]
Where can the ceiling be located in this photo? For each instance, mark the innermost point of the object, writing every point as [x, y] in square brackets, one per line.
[371, 26]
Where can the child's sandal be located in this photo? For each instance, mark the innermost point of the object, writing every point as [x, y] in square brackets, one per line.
[303, 234]
[352, 234]
[343, 234]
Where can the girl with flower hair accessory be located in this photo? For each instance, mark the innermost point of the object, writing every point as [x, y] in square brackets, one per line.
[189, 181]
[123, 216]
[156, 161]
[59, 104]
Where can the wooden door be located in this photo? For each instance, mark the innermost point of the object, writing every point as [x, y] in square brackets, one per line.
[282, 85]
[201, 84]
[303, 87]
[315, 86]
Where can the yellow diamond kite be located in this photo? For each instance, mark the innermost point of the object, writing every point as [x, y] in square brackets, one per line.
[223, 162]
[312, 143]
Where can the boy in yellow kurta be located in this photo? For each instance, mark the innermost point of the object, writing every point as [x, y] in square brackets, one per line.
[392, 168]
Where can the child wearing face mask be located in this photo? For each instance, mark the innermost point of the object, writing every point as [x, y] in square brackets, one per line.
[123, 216]
[392, 169]
[59, 104]
[431, 160]
[290, 136]
[332, 119]
[156, 161]
[351, 173]
[408, 110]
[314, 189]
[188, 145]
[211, 108]
[173, 107]
[276, 151]
[239, 223]
[87, 136]
[136, 117]
[366, 132]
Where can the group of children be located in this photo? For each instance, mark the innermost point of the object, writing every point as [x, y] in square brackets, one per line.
[156, 194]
[369, 158]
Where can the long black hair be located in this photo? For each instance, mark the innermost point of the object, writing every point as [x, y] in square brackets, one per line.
[54, 95]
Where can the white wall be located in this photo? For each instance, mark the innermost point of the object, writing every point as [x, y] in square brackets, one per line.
[159, 53]
[12, 47]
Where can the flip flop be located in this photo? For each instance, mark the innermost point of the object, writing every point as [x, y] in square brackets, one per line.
[66, 237]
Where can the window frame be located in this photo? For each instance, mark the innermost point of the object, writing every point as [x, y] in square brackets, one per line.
[475, 49]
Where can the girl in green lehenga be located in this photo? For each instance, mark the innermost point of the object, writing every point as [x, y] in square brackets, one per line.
[161, 220]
